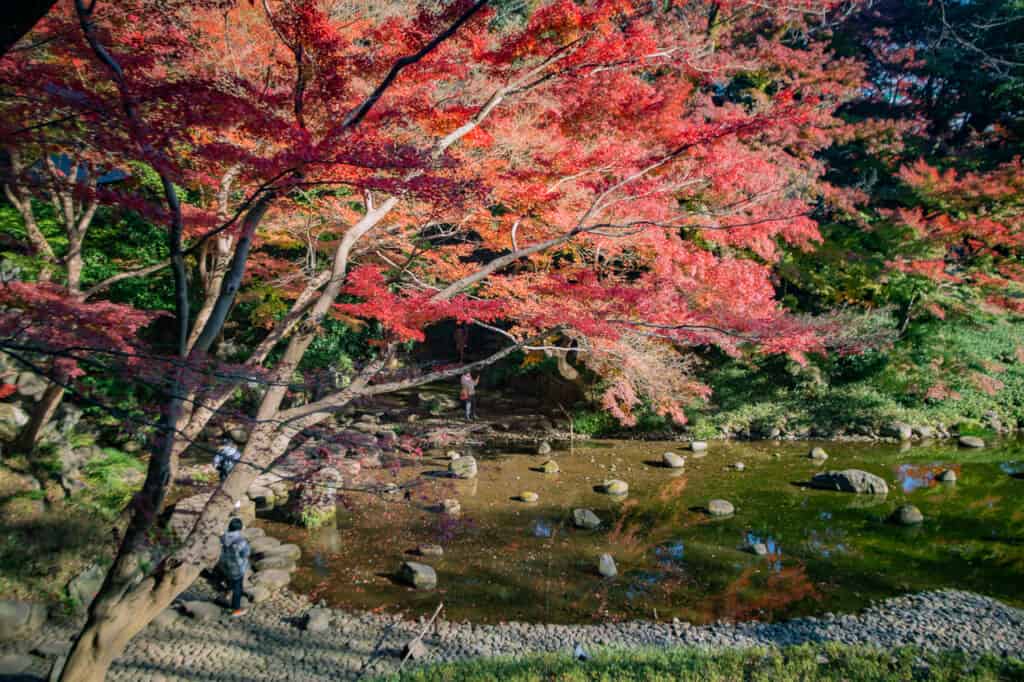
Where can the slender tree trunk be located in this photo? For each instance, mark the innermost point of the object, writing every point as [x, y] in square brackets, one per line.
[42, 413]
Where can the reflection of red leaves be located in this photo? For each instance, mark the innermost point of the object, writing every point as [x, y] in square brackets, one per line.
[6, 390]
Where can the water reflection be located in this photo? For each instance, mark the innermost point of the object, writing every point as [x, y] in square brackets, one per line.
[503, 560]
[670, 554]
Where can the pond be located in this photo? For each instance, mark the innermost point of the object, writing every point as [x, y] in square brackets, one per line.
[506, 560]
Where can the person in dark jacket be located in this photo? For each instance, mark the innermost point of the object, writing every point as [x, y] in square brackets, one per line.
[234, 562]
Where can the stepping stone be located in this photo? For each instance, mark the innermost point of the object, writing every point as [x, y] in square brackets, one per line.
[528, 496]
[971, 442]
[606, 566]
[698, 446]
[264, 544]
[673, 461]
[420, 576]
[430, 550]
[721, 508]
[550, 467]
[585, 518]
[818, 454]
[907, 515]
[463, 467]
[615, 487]
[273, 579]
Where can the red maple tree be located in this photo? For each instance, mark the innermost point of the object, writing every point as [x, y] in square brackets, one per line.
[597, 173]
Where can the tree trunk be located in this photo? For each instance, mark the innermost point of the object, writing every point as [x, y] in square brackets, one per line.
[41, 416]
[116, 616]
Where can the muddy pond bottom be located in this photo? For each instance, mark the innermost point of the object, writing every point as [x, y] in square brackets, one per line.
[509, 560]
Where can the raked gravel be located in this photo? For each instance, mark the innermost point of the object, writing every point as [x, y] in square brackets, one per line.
[269, 643]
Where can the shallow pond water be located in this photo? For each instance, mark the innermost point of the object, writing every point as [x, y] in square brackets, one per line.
[506, 560]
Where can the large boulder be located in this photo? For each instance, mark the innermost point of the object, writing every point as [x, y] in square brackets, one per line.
[31, 385]
[263, 544]
[272, 579]
[463, 467]
[900, 430]
[12, 419]
[84, 587]
[850, 481]
[420, 576]
[585, 518]
[20, 620]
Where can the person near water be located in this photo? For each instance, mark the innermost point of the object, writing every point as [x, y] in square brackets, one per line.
[225, 460]
[468, 394]
[234, 562]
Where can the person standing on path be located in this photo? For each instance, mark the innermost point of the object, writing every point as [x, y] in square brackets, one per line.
[234, 563]
[225, 460]
[468, 394]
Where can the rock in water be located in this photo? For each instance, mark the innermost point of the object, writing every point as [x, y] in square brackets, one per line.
[418, 575]
[550, 467]
[544, 448]
[451, 507]
[900, 430]
[453, 455]
[759, 548]
[948, 476]
[850, 481]
[739, 466]
[673, 461]
[463, 467]
[971, 442]
[818, 454]
[907, 515]
[606, 566]
[585, 518]
[430, 550]
[318, 620]
[616, 487]
[721, 508]
[698, 446]
[527, 496]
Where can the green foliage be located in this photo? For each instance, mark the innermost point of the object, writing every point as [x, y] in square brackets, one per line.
[954, 372]
[109, 489]
[805, 663]
[593, 422]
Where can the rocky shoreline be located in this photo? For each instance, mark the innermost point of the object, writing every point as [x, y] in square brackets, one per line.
[288, 638]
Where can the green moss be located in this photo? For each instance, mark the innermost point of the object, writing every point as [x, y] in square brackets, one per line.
[317, 517]
[803, 663]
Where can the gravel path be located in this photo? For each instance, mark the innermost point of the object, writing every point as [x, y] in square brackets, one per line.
[269, 643]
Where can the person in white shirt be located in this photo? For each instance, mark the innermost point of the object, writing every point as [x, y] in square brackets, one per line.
[468, 394]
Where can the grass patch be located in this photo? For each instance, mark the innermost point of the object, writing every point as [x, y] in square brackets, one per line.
[803, 663]
[109, 476]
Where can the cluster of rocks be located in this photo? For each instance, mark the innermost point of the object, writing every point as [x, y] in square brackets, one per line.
[288, 637]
